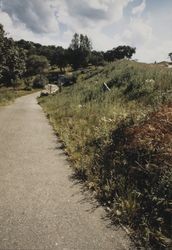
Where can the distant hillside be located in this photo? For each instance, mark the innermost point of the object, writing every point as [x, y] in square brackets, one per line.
[165, 64]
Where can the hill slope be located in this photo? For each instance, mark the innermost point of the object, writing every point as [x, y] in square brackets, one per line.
[119, 141]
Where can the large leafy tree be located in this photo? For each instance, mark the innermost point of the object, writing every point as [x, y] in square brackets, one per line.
[124, 52]
[119, 53]
[12, 60]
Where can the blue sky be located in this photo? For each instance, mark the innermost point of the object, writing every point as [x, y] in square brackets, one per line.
[144, 24]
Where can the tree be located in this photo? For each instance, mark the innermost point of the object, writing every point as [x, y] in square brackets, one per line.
[75, 42]
[32, 48]
[79, 51]
[2, 49]
[36, 64]
[12, 60]
[97, 58]
[15, 65]
[119, 53]
[170, 55]
[110, 55]
[124, 52]
[60, 58]
[47, 51]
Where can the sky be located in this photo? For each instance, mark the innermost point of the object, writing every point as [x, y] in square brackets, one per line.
[144, 24]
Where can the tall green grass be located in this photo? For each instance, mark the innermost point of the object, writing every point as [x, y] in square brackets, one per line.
[86, 117]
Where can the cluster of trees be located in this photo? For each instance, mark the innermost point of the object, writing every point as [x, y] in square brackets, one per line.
[25, 58]
[79, 54]
[20, 59]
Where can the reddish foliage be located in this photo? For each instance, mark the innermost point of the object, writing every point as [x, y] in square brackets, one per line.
[154, 134]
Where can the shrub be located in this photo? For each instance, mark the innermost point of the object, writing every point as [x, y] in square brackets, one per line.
[40, 81]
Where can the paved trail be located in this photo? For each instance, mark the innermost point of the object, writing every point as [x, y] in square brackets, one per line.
[40, 207]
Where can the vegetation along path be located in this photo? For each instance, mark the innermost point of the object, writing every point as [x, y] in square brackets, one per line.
[40, 207]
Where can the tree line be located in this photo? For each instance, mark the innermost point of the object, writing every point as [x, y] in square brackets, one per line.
[25, 58]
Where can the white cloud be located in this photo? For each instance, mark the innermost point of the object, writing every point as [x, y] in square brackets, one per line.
[89, 13]
[34, 14]
[139, 9]
[110, 10]
[18, 31]
[139, 31]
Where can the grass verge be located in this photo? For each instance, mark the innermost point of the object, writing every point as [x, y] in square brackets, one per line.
[8, 95]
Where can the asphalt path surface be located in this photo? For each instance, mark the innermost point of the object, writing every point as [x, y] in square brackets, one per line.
[41, 207]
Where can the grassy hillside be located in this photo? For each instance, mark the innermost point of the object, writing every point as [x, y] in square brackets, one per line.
[119, 141]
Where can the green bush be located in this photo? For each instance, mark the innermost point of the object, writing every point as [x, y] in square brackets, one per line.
[39, 82]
